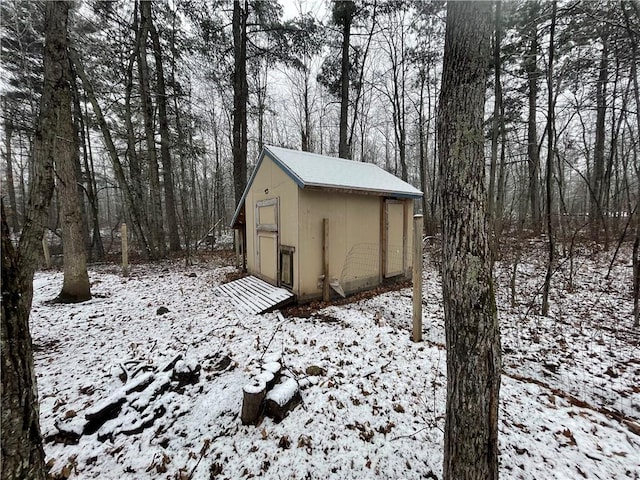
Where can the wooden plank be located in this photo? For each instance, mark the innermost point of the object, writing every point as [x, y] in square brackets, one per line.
[325, 260]
[267, 289]
[241, 299]
[260, 296]
[417, 278]
[252, 295]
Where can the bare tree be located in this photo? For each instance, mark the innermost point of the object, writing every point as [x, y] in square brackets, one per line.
[22, 452]
[549, 169]
[240, 97]
[163, 123]
[471, 321]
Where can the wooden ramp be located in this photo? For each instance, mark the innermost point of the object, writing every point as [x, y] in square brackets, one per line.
[252, 295]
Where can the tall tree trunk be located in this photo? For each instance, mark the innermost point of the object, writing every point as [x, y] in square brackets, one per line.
[133, 206]
[131, 154]
[75, 285]
[165, 154]
[22, 452]
[471, 321]
[97, 247]
[633, 39]
[240, 97]
[497, 117]
[596, 212]
[346, 10]
[422, 141]
[307, 142]
[549, 171]
[156, 218]
[10, 187]
[533, 152]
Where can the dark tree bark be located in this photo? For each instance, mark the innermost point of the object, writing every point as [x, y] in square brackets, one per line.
[96, 248]
[155, 218]
[596, 210]
[240, 97]
[471, 321]
[549, 170]
[22, 453]
[133, 206]
[343, 12]
[533, 151]
[497, 123]
[163, 123]
[75, 285]
[633, 40]
[10, 186]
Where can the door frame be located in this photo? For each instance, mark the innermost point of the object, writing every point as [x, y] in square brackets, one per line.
[268, 230]
[384, 237]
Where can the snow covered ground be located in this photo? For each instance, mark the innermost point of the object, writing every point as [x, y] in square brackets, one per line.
[570, 397]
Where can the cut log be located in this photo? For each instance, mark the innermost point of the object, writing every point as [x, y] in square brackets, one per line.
[283, 398]
[273, 367]
[106, 410]
[253, 396]
[186, 374]
[269, 378]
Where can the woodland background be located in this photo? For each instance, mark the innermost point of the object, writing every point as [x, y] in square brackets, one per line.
[174, 100]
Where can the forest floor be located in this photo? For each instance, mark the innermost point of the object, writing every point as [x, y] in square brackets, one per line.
[569, 400]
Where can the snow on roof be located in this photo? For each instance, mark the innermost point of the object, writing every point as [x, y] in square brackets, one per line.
[321, 171]
[313, 170]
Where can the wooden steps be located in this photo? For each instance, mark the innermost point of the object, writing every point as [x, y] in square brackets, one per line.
[254, 296]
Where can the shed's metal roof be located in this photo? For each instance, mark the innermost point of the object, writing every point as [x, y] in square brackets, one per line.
[313, 170]
[320, 171]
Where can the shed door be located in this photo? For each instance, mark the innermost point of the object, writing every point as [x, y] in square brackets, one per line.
[267, 239]
[394, 238]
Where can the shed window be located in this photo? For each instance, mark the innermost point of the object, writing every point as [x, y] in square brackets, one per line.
[286, 266]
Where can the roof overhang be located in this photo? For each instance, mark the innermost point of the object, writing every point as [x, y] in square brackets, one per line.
[238, 216]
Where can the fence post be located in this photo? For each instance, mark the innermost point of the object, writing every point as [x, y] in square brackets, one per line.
[45, 252]
[417, 278]
[125, 249]
[325, 260]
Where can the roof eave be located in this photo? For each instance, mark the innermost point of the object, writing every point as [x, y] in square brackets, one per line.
[365, 191]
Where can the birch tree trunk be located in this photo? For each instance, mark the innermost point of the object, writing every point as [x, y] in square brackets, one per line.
[22, 452]
[471, 321]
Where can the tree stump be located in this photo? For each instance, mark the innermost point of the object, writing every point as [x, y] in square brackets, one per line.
[253, 396]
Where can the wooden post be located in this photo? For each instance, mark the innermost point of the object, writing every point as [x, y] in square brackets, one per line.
[45, 253]
[417, 278]
[325, 259]
[125, 249]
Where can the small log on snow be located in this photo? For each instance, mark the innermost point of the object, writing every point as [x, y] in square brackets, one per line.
[252, 398]
[186, 374]
[283, 398]
[273, 367]
[169, 366]
[269, 378]
[105, 410]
